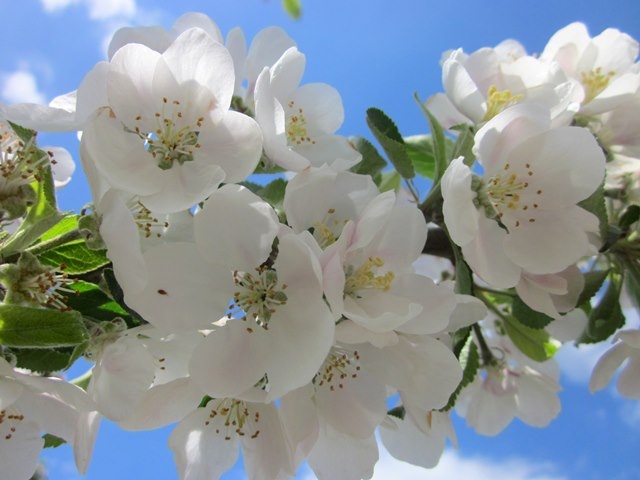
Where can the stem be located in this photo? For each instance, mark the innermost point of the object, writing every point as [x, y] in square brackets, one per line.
[412, 190]
[55, 242]
[83, 380]
[487, 356]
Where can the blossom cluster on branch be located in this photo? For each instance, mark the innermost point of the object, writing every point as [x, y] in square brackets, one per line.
[266, 284]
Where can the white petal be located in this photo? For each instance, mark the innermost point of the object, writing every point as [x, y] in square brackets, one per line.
[19, 449]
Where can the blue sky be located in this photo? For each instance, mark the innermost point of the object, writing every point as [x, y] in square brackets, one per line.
[376, 54]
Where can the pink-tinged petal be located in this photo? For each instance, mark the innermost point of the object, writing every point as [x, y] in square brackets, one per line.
[607, 365]
[154, 37]
[380, 311]
[321, 106]
[199, 452]
[538, 402]
[485, 255]
[163, 404]
[236, 43]
[85, 439]
[462, 90]
[438, 303]
[620, 91]
[566, 45]
[487, 412]
[349, 332]
[235, 144]
[229, 361]
[468, 310]
[235, 228]
[200, 20]
[459, 211]
[299, 420]
[268, 45]
[196, 56]
[121, 376]
[354, 405]
[372, 220]
[19, 449]
[336, 455]
[555, 241]
[286, 74]
[334, 150]
[629, 379]
[270, 115]
[267, 454]
[408, 443]
[120, 156]
[179, 281]
[630, 337]
[447, 114]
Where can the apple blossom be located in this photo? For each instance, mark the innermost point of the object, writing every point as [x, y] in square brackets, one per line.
[626, 348]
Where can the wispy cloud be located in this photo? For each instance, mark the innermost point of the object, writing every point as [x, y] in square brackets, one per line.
[20, 86]
[453, 466]
[97, 9]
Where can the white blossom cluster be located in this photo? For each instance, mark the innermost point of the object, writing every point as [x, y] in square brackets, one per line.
[290, 330]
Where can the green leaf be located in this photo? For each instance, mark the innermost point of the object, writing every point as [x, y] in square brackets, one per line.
[388, 135]
[76, 257]
[95, 303]
[28, 327]
[65, 225]
[420, 151]
[464, 277]
[273, 192]
[293, 8]
[632, 282]
[527, 316]
[25, 134]
[592, 283]
[372, 163]
[118, 296]
[464, 144]
[42, 360]
[439, 143]
[470, 363]
[534, 343]
[596, 205]
[606, 317]
[630, 216]
[51, 441]
[390, 181]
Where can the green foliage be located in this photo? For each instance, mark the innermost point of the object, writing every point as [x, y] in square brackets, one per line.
[115, 290]
[420, 151]
[606, 317]
[293, 8]
[464, 145]
[389, 137]
[27, 327]
[534, 343]
[51, 441]
[596, 205]
[76, 257]
[439, 143]
[470, 363]
[592, 283]
[42, 360]
[95, 304]
[527, 316]
[372, 163]
[630, 216]
[390, 181]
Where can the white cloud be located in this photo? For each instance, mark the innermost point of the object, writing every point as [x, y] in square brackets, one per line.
[20, 86]
[97, 9]
[452, 467]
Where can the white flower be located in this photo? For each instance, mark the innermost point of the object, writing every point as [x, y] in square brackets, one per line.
[419, 438]
[480, 85]
[522, 215]
[206, 443]
[31, 405]
[513, 386]
[603, 65]
[168, 135]
[626, 348]
[299, 122]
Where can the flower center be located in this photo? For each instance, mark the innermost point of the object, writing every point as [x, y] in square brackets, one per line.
[9, 421]
[365, 277]
[328, 230]
[231, 417]
[146, 222]
[297, 133]
[339, 366]
[594, 82]
[258, 297]
[172, 141]
[499, 100]
[501, 197]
